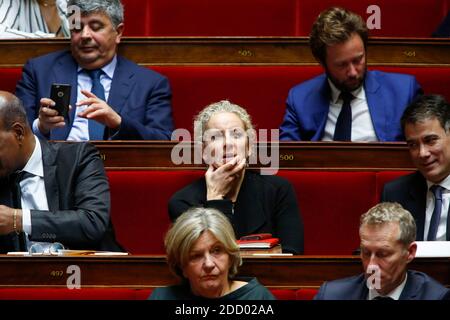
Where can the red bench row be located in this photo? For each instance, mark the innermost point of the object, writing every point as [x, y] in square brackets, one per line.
[119, 294]
[261, 89]
[398, 18]
[330, 203]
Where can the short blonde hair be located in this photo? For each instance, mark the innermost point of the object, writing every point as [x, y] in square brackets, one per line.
[386, 212]
[203, 117]
[189, 227]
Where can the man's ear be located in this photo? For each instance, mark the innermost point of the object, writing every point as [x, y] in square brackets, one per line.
[119, 30]
[19, 131]
[412, 249]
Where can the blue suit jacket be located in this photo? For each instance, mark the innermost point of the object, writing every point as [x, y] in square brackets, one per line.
[411, 192]
[419, 286]
[140, 96]
[308, 103]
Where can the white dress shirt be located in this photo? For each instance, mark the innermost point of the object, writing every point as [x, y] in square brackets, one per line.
[441, 234]
[33, 188]
[362, 126]
[394, 294]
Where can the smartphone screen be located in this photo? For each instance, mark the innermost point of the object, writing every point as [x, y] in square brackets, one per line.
[60, 93]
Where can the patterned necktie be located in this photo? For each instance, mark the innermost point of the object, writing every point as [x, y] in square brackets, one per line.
[343, 130]
[96, 129]
[436, 217]
[17, 201]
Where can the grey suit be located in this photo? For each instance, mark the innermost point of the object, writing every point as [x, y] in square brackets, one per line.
[78, 199]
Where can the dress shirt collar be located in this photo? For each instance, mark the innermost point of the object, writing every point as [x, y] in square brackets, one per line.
[335, 92]
[35, 165]
[394, 294]
[444, 183]
[107, 69]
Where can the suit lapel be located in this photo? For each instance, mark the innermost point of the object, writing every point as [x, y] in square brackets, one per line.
[377, 105]
[321, 107]
[51, 186]
[65, 71]
[418, 192]
[412, 288]
[123, 81]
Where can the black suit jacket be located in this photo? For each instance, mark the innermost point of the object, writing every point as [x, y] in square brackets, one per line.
[78, 198]
[411, 192]
[264, 204]
[419, 286]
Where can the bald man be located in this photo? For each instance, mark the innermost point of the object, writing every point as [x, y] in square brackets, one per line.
[49, 192]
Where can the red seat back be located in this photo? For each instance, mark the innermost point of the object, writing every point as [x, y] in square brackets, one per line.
[399, 18]
[139, 202]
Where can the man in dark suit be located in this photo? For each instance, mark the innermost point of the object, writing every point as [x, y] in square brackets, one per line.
[347, 103]
[426, 193]
[387, 233]
[49, 192]
[112, 97]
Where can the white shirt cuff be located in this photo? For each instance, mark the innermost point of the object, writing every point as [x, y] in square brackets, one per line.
[26, 221]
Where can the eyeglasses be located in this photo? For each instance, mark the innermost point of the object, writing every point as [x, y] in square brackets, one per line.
[47, 249]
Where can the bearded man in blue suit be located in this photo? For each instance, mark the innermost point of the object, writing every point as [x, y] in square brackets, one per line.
[376, 99]
[112, 97]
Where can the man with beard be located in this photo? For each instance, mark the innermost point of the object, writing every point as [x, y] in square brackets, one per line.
[347, 102]
[112, 98]
[387, 233]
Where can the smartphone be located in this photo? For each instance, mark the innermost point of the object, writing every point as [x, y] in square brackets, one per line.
[60, 93]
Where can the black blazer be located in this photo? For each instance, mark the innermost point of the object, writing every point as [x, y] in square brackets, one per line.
[264, 204]
[419, 286]
[411, 192]
[78, 198]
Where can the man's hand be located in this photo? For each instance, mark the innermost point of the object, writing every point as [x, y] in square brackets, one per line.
[48, 117]
[219, 182]
[7, 220]
[99, 111]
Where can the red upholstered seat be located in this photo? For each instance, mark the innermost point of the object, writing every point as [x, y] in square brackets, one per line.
[139, 206]
[74, 294]
[211, 18]
[306, 294]
[9, 78]
[284, 294]
[261, 89]
[384, 177]
[399, 18]
[331, 204]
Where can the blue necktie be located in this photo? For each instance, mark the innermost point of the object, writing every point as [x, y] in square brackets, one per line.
[436, 217]
[96, 129]
[343, 130]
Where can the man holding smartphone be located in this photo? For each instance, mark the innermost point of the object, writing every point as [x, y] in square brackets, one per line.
[112, 98]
